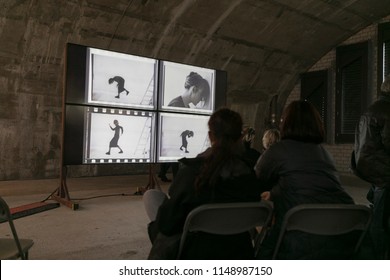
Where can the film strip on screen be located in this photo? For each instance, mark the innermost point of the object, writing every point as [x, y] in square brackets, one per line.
[115, 135]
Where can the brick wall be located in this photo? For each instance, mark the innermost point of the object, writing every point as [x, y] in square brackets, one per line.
[342, 152]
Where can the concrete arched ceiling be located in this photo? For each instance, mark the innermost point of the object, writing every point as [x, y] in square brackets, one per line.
[263, 45]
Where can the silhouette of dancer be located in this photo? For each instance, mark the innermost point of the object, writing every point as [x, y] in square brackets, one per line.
[120, 84]
[114, 141]
[184, 142]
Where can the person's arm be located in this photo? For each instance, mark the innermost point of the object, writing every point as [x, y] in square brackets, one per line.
[266, 168]
[173, 212]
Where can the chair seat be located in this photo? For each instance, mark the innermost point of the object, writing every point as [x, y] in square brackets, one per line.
[9, 250]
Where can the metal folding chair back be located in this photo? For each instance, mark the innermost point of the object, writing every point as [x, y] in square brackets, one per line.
[12, 248]
[326, 219]
[226, 219]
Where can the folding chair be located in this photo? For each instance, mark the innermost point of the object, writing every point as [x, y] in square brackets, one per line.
[326, 219]
[226, 219]
[12, 248]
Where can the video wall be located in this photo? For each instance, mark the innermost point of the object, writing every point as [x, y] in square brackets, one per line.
[122, 108]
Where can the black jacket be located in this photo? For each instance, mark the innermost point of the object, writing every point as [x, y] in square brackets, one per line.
[299, 173]
[237, 183]
[372, 143]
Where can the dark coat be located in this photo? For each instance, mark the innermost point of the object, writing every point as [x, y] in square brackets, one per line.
[372, 143]
[236, 183]
[177, 102]
[298, 173]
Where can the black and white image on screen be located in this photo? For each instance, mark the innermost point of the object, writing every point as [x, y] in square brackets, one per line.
[118, 131]
[120, 79]
[182, 135]
[184, 142]
[187, 88]
[116, 135]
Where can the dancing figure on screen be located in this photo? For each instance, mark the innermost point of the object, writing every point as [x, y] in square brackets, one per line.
[114, 141]
[184, 142]
[120, 84]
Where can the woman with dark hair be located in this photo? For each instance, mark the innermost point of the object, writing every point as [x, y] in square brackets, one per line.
[298, 170]
[197, 90]
[218, 175]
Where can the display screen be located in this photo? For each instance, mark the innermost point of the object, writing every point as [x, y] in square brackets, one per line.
[122, 108]
[181, 136]
[117, 79]
[187, 88]
[118, 136]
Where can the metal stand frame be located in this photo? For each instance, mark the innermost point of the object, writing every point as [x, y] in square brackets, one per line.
[62, 194]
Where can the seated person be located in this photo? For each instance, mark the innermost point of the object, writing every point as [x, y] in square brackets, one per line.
[250, 153]
[298, 170]
[218, 175]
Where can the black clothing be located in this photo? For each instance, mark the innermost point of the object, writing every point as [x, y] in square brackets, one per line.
[252, 155]
[372, 143]
[164, 166]
[177, 102]
[120, 84]
[371, 162]
[114, 140]
[184, 142]
[236, 183]
[298, 173]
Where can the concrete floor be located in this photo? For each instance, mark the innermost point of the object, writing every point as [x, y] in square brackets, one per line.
[110, 223]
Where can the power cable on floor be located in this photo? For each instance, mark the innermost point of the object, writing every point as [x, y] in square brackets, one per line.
[106, 195]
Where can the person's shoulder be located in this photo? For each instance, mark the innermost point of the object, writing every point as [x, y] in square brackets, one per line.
[191, 162]
[176, 102]
[239, 165]
[281, 145]
[290, 147]
[382, 104]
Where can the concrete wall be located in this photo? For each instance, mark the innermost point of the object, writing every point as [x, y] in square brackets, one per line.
[262, 44]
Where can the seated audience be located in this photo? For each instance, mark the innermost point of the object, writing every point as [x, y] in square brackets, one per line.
[298, 170]
[218, 175]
